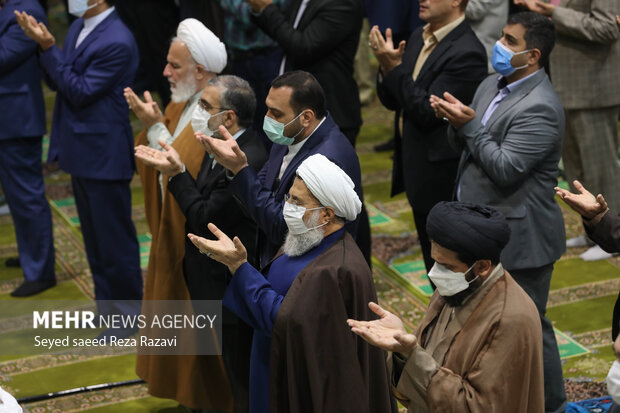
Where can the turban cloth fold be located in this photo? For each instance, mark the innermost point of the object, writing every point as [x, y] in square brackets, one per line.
[204, 46]
[330, 185]
[462, 227]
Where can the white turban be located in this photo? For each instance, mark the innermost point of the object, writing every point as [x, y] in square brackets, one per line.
[205, 47]
[330, 185]
[8, 404]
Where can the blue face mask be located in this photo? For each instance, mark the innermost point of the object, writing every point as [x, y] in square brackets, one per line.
[275, 130]
[501, 59]
[79, 7]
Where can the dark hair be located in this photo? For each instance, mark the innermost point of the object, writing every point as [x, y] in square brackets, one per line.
[236, 94]
[463, 4]
[111, 2]
[539, 33]
[307, 92]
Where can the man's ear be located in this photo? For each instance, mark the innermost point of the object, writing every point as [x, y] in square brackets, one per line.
[533, 56]
[230, 119]
[483, 268]
[200, 72]
[307, 117]
[329, 214]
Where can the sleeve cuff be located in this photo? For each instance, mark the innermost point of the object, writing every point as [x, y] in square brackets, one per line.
[155, 133]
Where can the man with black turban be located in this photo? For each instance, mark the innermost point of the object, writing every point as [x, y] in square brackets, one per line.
[479, 346]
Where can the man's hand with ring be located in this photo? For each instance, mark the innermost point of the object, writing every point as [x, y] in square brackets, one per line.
[383, 49]
[452, 110]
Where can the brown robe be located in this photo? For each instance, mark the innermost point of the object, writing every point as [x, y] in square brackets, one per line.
[317, 363]
[198, 382]
[487, 358]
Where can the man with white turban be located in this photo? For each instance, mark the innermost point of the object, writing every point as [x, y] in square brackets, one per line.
[303, 357]
[195, 56]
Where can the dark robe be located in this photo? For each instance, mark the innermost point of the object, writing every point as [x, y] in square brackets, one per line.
[316, 364]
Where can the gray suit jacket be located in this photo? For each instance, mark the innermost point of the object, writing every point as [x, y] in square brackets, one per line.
[586, 57]
[487, 18]
[511, 164]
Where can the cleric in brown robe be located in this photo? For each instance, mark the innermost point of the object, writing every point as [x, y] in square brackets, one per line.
[478, 349]
[304, 358]
[195, 56]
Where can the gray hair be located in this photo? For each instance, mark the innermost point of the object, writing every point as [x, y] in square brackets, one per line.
[236, 94]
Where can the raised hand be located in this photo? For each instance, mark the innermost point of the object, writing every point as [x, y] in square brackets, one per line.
[388, 332]
[584, 203]
[537, 6]
[148, 111]
[231, 253]
[225, 151]
[167, 161]
[35, 30]
[387, 55]
[452, 110]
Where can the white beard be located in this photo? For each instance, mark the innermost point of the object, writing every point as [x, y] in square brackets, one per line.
[296, 245]
[184, 90]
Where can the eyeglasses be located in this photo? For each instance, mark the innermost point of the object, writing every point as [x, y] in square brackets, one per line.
[290, 200]
[205, 106]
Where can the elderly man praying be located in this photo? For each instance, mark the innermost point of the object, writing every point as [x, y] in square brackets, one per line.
[303, 357]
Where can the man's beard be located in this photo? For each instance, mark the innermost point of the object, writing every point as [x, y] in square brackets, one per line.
[457, 299]
[184, 89]
[296, 245]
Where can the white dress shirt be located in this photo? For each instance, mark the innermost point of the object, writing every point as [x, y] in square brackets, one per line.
[90, 24]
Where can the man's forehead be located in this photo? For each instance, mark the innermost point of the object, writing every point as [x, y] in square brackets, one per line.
[211, 94]
[517, 31]
[179, 51]
[279, 98]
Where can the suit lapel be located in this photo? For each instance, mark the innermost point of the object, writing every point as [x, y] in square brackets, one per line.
[92, 36]
[440, 49]
[514, 97]
[291, 11]
[205, 171]
[414, 46]
[311, 9]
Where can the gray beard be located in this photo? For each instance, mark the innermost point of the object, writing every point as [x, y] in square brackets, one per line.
[184, 90]
[296, 245]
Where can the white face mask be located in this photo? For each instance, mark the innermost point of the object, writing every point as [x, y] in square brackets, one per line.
[613, 382]
[449, 282]
[294, 217]
[79, 7]
[200, 121]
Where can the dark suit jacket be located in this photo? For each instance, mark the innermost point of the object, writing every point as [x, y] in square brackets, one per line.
[456, 65]
[263, 194]
[324, 44]
[91, 135]
[208, 200]
[606, 234]
[21, 97]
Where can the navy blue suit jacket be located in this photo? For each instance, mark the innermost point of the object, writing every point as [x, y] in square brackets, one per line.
[91, 135]
[263, 194]
[22, 112]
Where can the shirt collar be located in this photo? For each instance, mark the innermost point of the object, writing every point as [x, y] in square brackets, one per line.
[501, 82]
[442, 32]
[239, 133]
[92, 22]
[297, 146]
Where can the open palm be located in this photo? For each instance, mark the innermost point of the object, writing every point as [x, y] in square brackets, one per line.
[388, 332]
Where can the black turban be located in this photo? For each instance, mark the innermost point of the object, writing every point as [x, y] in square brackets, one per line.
[470, 229]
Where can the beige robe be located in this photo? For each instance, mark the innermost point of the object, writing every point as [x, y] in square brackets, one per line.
[487, 359]
[198, 382]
